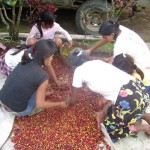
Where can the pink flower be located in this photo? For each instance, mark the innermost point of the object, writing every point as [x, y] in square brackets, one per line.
[121, 123]
[118, 115]
[132, 128]
[123, 93]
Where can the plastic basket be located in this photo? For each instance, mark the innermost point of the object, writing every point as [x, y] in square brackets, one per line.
[64, 51]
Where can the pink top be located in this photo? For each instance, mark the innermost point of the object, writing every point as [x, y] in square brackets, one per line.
[48, 33]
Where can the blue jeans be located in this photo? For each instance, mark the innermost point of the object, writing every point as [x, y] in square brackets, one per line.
[30, 107]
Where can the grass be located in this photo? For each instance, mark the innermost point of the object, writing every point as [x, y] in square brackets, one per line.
[105, 50]
[10, 43]
[24, 28]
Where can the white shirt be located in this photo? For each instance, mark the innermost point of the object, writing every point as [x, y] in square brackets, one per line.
[129, 42]
[48, 33]
[101, 77]
[13, 60]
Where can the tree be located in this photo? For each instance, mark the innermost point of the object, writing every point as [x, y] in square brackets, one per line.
[12, 22]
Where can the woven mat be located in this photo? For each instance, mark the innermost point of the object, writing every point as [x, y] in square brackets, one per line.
[72, 128]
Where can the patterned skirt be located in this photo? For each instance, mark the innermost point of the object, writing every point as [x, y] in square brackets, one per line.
[3, 66]
[130, 105]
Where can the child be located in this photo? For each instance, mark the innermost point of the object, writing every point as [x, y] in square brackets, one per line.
[126, 63]
[121, 91]
[45, 28]
[25, 87]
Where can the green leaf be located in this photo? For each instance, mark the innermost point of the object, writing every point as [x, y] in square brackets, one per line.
[10, 2]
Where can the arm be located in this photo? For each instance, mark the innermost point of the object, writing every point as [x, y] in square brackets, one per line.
[40, 98]
[30, 39]
[52, 72]
[66, 34]
[103, 113]
[74, 93]
[98, 44]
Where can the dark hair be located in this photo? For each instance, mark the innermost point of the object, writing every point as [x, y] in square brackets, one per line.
[46, 17]
[109, 27]
[19, 48]
[40, 51]
[78, 56]
[125, 62]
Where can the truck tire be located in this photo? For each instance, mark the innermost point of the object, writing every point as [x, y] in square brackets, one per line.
[91, 14]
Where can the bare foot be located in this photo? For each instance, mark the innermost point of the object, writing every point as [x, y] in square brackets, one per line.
[147, 134]
[138, 122]
[142, 127]
[146, 117]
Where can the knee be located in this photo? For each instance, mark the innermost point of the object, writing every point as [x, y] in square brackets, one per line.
[31, 41]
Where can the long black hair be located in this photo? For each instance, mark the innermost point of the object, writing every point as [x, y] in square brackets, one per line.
[46, 17]
[126, 63]
[40, 51]
[109, 27]
[19, 49]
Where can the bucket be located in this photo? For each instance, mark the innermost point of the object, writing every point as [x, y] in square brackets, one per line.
[64, 51]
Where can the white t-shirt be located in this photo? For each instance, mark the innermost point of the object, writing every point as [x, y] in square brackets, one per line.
[129, 42]
[48, 33]
[101, 77]
[13, 60]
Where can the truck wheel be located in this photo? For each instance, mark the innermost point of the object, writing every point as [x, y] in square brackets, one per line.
[90, 15]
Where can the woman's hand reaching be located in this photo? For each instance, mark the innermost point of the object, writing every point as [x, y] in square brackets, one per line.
[63, 104]
[70, 44]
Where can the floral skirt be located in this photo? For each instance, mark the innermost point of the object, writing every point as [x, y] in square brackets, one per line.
[130, 105]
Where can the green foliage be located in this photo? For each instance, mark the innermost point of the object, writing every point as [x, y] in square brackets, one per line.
[10, 2]
[36, 8]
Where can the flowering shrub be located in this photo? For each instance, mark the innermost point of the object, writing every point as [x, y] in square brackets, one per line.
[131, 5]
[37, 7]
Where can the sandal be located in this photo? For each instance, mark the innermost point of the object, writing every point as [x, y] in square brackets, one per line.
[36, 110]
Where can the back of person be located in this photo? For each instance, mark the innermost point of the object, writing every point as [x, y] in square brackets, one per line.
[126, 63]
[47, 33]
[23, 81]
[131, 43]
[13, 60]
[101, 77]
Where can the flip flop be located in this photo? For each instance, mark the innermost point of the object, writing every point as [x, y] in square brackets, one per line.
[37, 110]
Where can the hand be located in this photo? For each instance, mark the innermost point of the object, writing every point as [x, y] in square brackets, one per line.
[59, 83]
[32, 41]
[89, 51]
[70, 44]
[68, 100]
[62, 85]
[63, 104]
